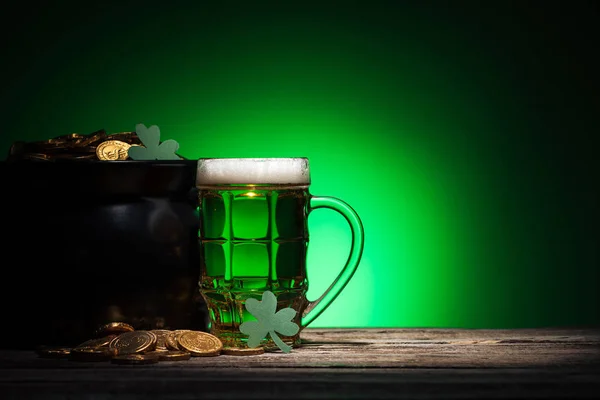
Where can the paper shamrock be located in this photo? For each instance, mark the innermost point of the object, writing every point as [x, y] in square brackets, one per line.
[269, 322]
[153, 149]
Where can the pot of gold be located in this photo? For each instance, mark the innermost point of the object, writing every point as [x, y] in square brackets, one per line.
[98, 233]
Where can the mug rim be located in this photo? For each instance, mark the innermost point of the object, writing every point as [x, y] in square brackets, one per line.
[254, 158]
[252, 171]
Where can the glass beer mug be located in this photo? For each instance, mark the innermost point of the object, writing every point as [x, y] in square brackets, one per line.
[254, 238]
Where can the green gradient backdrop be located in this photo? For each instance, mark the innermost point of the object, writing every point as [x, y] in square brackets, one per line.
[459, 135]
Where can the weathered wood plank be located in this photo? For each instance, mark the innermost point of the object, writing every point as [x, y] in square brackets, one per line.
[341, 363]
[446, 335]
[401, 348]
[292, 383]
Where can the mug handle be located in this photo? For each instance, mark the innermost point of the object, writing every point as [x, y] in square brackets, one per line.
[315, 308]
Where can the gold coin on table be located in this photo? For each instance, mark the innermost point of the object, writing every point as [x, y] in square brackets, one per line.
[242, 351]
[156, 352]
[200, 344]
[135, 359]
[53, 352]
[112, 150]
[172, 337]
[114, 328]
[161, 338]
[96, 343]
[171, 355]
[154, 341]
[91, 354]
[133, 342]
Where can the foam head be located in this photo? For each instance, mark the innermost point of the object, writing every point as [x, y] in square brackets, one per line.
[231, 171]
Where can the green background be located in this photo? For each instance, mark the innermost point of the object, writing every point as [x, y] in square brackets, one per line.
[463, 136]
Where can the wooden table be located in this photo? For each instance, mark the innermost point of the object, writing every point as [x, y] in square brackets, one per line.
[339, 363]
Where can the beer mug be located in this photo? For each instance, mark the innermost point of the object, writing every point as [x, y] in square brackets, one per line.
[254, 238]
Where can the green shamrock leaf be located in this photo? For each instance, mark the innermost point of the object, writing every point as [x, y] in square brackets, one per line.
[269, 322]
[153, 149]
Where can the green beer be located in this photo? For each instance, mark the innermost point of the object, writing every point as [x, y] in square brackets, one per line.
[254, 237]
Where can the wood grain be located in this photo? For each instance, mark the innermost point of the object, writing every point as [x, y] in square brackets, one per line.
[340, 363]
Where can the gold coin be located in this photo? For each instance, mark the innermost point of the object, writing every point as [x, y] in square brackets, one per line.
[96, 343]
[53, 352]
[112, 150]
[242, 351]
[90, 354]
[154, 341]
[156, 352]
[133, 342]
[161, 338]
[114, 328]
[135, 359]
[174, 355]
[200, 344]
[171, 339]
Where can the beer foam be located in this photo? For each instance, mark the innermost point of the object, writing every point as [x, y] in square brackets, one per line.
[277, 171]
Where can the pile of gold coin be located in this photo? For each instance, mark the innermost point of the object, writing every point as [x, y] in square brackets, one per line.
[120, 343]
[97, 145]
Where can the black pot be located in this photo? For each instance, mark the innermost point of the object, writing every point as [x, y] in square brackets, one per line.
[93, 242]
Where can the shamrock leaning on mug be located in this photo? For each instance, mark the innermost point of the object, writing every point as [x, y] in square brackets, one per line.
[254, 241]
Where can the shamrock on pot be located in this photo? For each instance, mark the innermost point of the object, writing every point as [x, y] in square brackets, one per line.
[153, 149]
